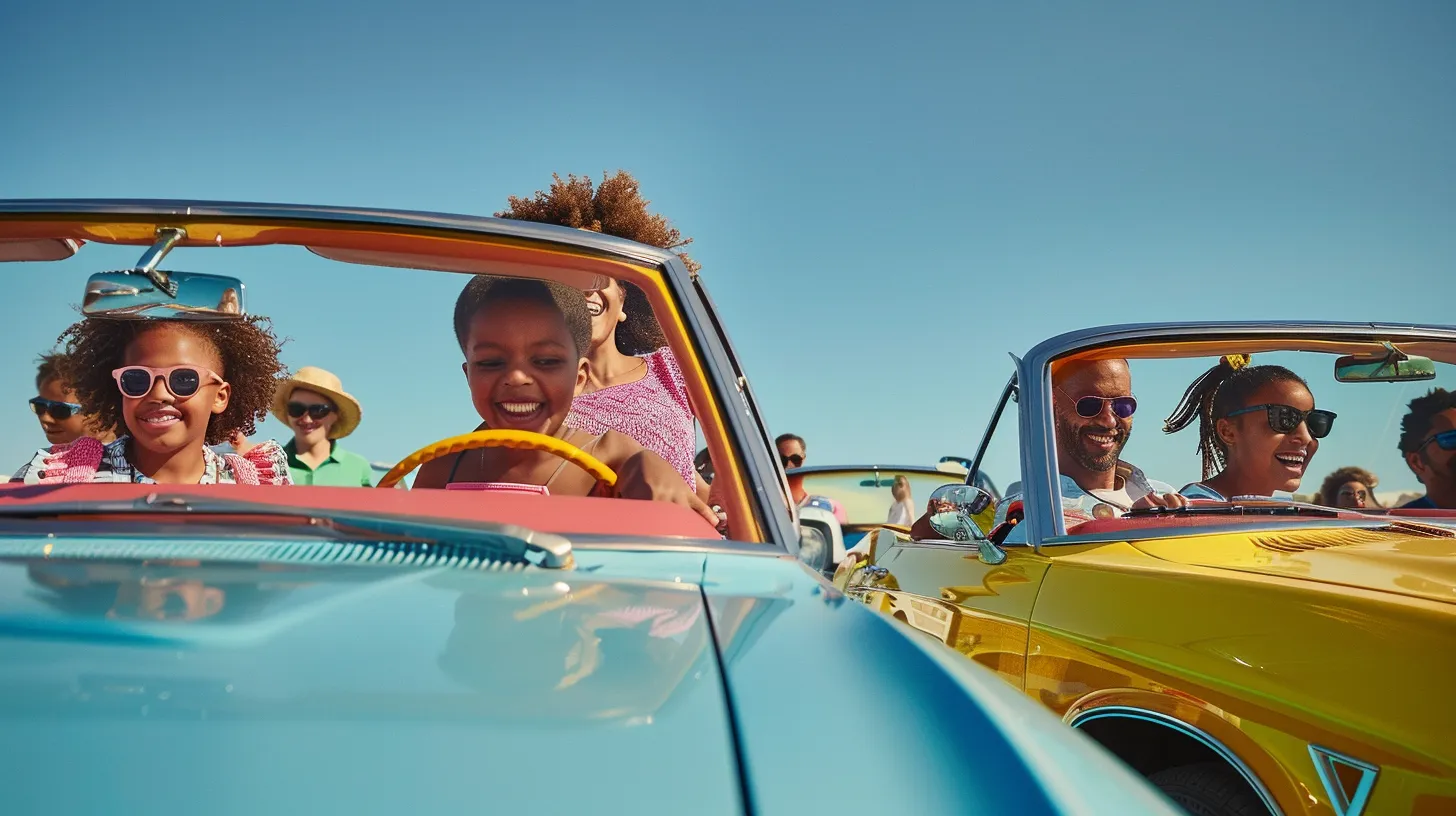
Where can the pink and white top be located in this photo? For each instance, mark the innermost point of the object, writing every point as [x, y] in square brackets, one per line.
[653, 410]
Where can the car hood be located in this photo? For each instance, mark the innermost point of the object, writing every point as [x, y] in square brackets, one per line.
[177, 687]
[1409, 560]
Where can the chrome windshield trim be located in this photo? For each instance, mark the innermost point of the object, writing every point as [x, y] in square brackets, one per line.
[171, 208]
[1203, 737]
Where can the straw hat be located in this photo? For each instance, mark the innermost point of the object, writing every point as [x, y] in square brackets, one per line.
[323, 382]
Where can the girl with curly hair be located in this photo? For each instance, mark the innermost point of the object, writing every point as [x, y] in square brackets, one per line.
[175, 387]
[1349, 487]
[1257, 429]
[634, 385]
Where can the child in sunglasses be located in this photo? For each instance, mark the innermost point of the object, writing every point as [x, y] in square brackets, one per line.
[57, 406]
[1258, 429]
[524, 343]
[175, 387]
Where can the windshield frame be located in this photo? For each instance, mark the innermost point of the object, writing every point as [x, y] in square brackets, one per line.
[731, 422]
[1041, 491]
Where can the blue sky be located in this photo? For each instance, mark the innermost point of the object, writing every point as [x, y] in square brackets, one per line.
[875, 190]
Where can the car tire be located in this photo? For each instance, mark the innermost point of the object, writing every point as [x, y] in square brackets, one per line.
[1208, 789]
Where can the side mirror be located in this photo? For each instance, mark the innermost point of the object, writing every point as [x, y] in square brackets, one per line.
[813, 547]
[962, 512]
[185, 295]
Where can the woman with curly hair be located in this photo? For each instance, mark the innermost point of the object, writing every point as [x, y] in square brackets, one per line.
[634, 385]
[175, 387]
[1349, 487]
[1257, 429]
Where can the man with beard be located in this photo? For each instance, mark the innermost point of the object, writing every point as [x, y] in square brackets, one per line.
[1428, 444]
[1092, 407]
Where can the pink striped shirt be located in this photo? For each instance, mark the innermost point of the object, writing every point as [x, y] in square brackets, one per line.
[653, 410]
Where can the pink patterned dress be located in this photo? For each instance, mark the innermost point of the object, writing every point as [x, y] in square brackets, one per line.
[653, 410]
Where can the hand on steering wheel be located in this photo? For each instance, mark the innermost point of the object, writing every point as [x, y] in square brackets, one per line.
[526, 440]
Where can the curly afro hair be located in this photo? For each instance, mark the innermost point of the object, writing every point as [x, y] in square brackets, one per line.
[1330, 488]
[248, 350]
[614, 207]
[483, 290]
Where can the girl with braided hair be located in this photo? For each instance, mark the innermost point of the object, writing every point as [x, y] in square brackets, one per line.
[634, 385]
[1257, 429]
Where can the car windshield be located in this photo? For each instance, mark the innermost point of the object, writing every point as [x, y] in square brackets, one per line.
[865, 494]
[1244, 432]
[372, 342]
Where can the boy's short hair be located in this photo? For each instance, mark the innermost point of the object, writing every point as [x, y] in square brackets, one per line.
[483, 290]
[49, 367]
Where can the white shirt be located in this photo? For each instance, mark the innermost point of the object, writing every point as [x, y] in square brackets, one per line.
[901, 512]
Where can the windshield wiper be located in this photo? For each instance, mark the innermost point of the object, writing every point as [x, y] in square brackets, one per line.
[499, 542]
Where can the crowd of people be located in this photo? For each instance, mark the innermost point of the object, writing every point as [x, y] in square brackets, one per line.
[176, 402]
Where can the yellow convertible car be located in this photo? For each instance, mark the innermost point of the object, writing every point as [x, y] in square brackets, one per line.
[1163, 592]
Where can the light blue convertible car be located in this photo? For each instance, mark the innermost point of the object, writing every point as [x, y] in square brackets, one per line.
[170, 648]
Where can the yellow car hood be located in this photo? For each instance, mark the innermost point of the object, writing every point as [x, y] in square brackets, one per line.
[1412, 560]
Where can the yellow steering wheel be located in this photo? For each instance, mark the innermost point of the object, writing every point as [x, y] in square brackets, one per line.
[521, 440]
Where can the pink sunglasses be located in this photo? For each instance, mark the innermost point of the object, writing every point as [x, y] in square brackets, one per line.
[182, 380]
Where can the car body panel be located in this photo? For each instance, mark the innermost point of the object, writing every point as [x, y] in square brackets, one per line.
[405, 688]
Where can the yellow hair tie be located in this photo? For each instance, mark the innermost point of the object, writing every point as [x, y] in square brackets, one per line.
[1237, 361]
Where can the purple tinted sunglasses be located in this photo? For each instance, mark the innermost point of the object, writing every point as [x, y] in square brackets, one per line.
[1091, 406]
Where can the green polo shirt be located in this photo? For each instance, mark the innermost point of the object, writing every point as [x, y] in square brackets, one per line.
[342, 468]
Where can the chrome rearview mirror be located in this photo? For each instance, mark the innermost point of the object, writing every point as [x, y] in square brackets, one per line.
[962, 512]
[149, 292]
[127, 295]
[1392, 366]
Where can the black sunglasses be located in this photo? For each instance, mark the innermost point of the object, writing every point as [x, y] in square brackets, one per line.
[1284, 419]
[792, 460]
[317, 410]
[1445, 440]
[59, 411]
[1123, 407]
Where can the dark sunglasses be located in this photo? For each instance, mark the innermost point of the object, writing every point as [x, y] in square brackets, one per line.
[183, 380]
[1123, 407]
[1284, 419]
[317, 410]
[59, 411]
[792, 460]
[1445, 440]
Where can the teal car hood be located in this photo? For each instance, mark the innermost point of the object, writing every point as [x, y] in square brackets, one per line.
[184, 688]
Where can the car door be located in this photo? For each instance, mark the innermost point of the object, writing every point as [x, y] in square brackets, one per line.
[950, 590]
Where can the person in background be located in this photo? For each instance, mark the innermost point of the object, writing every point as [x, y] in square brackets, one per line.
[1428, 443]
[57, 407]
[1349, 487]
[792, 451]
[793, 454]
[903, 510]
[315, 406]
